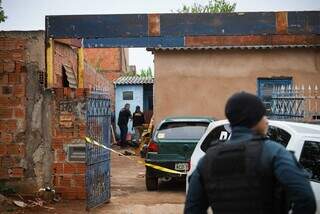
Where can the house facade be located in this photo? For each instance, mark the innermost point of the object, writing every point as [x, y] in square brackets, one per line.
[198, 81]
[136, 91]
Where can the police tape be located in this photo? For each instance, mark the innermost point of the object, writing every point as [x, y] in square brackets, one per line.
[160, 168]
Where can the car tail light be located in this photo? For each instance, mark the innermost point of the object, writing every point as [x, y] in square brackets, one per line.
[153, 147]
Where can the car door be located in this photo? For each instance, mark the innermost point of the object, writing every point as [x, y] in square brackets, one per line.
[310, 160]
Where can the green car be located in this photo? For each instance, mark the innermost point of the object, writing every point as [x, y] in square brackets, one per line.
[172, 144]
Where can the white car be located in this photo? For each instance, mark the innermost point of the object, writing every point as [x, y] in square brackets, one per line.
[301, 138]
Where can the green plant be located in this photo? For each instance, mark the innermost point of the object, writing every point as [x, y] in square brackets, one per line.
[213, 6]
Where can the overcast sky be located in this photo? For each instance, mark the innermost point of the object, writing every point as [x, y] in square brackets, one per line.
[29, 14]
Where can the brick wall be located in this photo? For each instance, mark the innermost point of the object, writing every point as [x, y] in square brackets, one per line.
[12, 106]
[68, 129]
[104, 59]
[63, 55]
[25, 145]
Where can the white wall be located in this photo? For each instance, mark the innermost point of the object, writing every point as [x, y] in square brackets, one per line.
[119, 102]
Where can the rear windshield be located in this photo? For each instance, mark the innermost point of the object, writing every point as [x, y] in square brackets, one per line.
[182, 130]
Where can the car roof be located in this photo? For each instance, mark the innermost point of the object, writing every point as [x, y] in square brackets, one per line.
[188, 119]
[297, 127]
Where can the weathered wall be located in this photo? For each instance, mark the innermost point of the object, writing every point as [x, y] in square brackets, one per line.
[25, 142]
[111, 62]
[63, 55]
[68, 129]
[137, 100]
[199, 82]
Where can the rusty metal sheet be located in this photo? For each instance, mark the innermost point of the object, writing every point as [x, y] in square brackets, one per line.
[252, 40]
[282, 22]
[154, 25]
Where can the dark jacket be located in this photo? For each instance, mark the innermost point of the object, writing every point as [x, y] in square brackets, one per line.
[286, 170]
[124, 116]
[137, 119]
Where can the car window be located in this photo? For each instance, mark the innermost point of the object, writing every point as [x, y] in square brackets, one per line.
[310, 159]
[279, 135]
[221, 133]
[182, 130]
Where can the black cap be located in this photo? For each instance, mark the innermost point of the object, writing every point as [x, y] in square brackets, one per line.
[244, 109]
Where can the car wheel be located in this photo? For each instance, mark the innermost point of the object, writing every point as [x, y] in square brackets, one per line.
[151, 181]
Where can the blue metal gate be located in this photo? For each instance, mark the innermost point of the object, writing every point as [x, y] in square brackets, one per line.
[98, 159]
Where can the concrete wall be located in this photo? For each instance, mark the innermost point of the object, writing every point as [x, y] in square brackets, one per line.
[25, 144]
[137, 100]
[199, 82]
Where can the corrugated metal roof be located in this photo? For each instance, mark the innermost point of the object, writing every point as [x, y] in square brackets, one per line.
[133, 80]
[71, 76]
[255, 47]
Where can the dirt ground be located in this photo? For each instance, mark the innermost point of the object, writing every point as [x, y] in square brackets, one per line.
[128, 194]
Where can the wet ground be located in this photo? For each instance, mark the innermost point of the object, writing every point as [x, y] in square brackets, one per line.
[129, 194]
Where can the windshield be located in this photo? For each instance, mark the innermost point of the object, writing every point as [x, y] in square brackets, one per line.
[182, 130]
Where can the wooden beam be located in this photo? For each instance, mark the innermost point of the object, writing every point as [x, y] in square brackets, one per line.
[50, 62]
[80, 68]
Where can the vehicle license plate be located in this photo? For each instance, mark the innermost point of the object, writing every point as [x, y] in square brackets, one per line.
[181, 166]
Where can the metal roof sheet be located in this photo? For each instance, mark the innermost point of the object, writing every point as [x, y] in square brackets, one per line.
[133, 80]
[254, 47]
[70, 76]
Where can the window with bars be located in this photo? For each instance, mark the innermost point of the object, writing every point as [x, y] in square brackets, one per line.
[265, 87]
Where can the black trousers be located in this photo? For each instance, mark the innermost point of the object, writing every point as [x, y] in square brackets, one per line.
[123, 134]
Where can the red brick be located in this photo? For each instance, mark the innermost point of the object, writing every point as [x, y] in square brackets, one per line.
[14, 78]
[81, 168]
[69, 168]
[3, 149]
[8, 44]
[80, 92]
[6, 138]
[60, 155]
[6, 113]
[16, 172]
[13, 149]
[11, 125]
[4, 79]
[58, 168]
[55, 181]
[59, 93]
[19, 113]
[79, 180]
[19, 90]
[9, 66]
[10, 101]
[57, 144]
[65, 181]
[18, 67]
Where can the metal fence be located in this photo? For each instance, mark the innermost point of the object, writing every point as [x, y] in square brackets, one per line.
[297, 103]
[97, 158]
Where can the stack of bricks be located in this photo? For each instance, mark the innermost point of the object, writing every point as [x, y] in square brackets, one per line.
[68, 128]
[12, 106]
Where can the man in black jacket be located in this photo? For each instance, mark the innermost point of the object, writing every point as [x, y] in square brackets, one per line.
[249, 173]
[123, 119]
[137, 123]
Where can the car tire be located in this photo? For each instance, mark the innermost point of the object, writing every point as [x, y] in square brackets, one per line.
[151, 181]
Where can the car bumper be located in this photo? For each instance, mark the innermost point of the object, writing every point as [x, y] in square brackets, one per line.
[168, 165]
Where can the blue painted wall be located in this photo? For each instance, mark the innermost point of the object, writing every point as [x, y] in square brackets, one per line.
[119, 102]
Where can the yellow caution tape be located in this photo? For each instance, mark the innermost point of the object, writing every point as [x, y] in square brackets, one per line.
[160, 168]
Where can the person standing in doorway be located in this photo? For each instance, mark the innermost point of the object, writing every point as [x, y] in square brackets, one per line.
[123, 119]
[138, 121]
